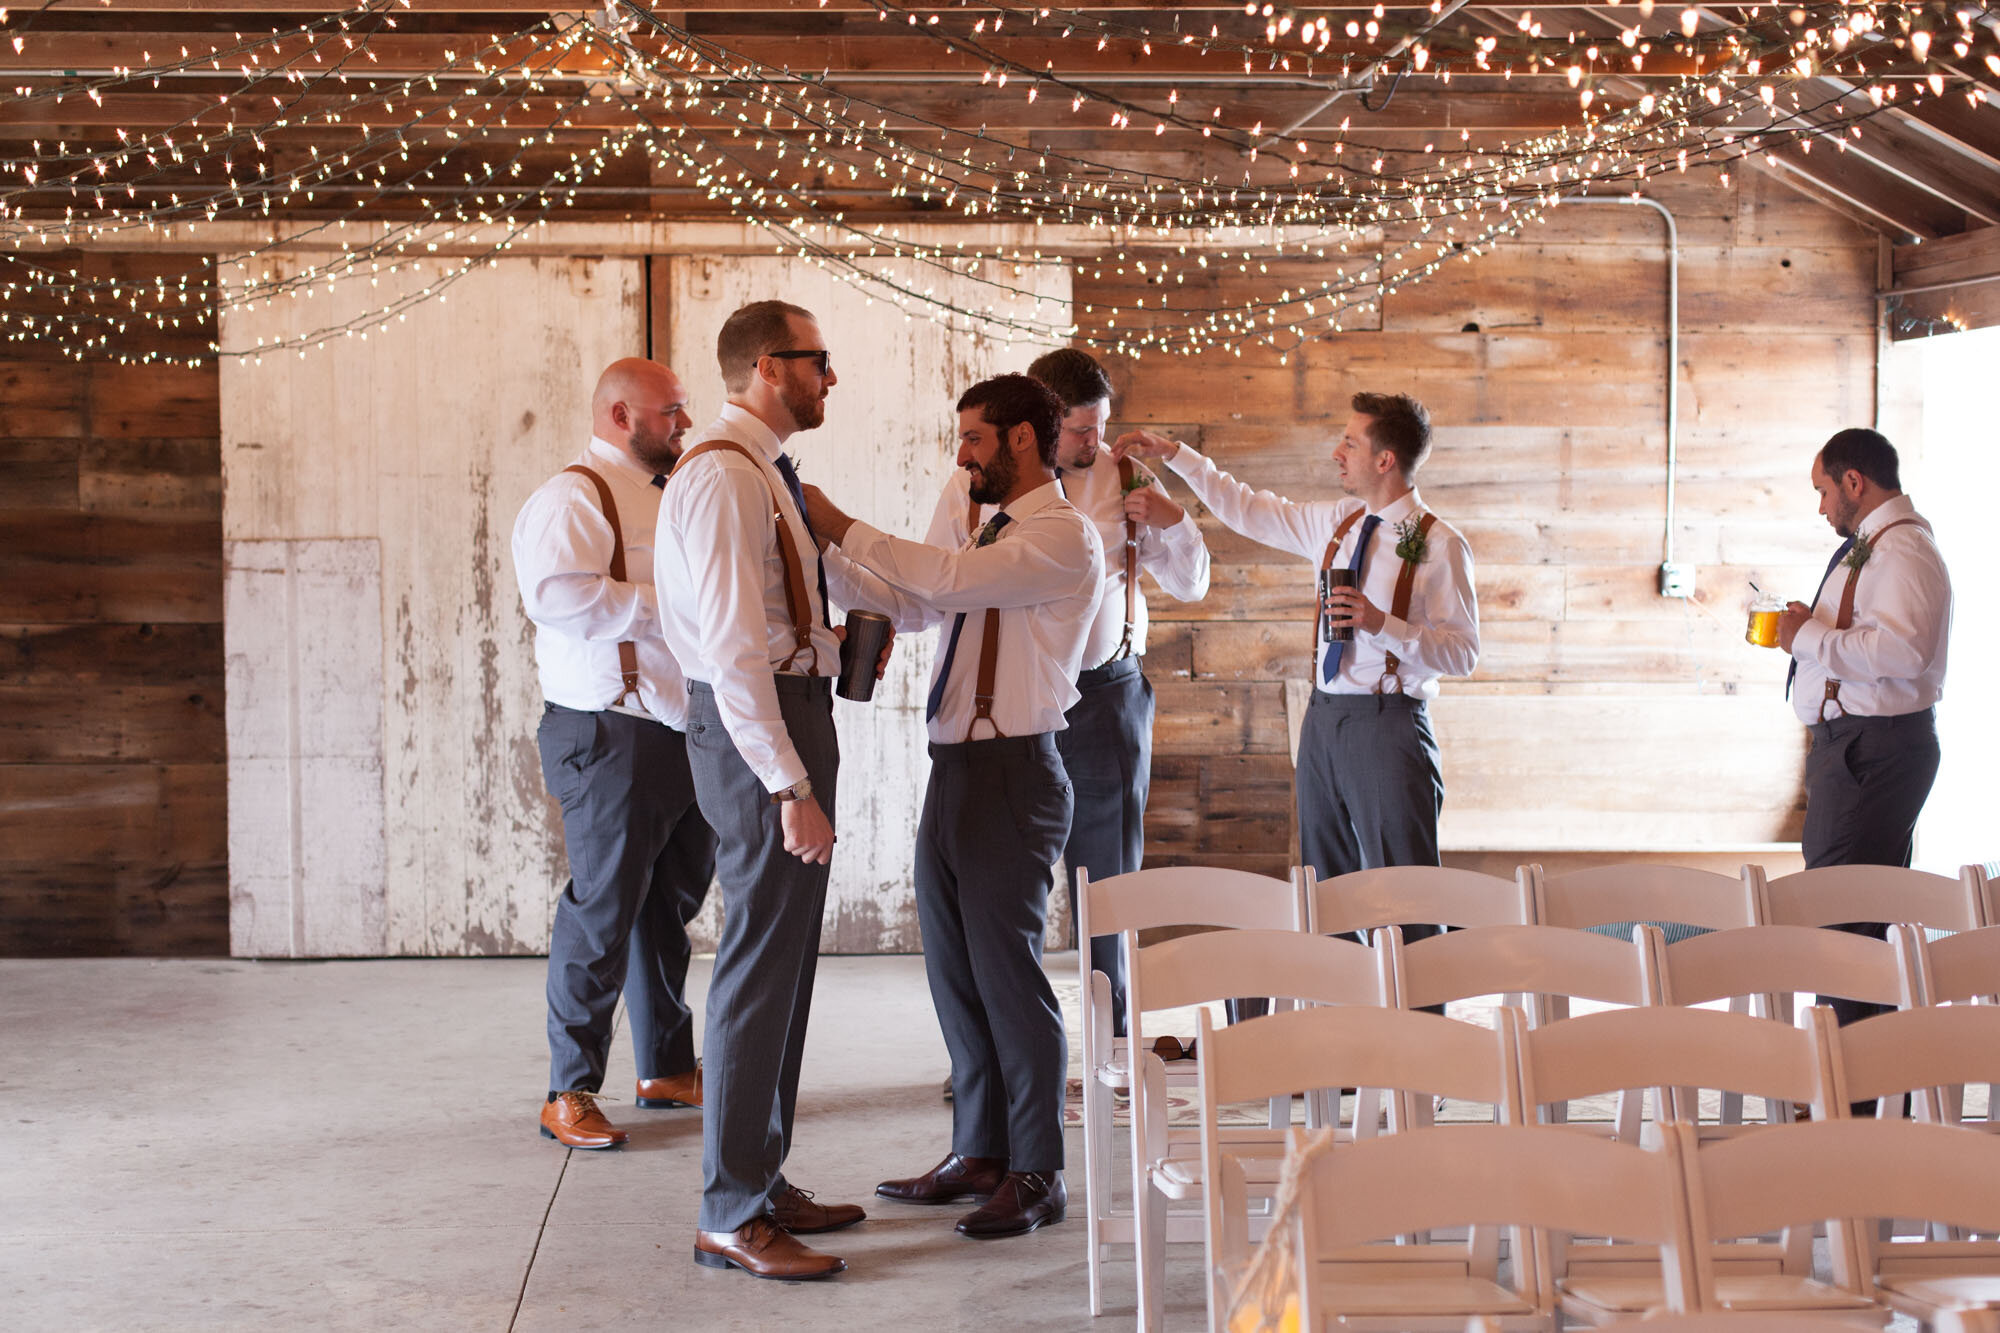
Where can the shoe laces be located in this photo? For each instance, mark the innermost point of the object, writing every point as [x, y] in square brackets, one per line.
[590, 1098]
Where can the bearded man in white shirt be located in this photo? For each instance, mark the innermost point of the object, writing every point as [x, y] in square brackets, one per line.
[1868, 660]
[743, 605]
[1107, 746]
[614, 755]
[1018, 594]
[1368, 786]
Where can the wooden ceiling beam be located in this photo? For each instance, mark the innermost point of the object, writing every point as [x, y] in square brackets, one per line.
[1891, 205]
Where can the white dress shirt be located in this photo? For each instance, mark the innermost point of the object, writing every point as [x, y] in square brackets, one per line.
[1176, 556]
[722, 582]
[1891, 660]
[1440, 636]
[1044, 571]
[562, 559]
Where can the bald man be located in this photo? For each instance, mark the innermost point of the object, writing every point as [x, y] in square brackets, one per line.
[614, 754]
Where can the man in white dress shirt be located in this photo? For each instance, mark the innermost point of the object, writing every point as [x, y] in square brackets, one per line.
[1107, 746]
[1016, 595]
[1868, 659]
[1368, 786]
[614, 755]
[743, 607]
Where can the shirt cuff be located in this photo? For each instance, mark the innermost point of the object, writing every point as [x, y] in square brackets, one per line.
[1185, 460]
[787, 772]
[1806, 643]
[1395, 632]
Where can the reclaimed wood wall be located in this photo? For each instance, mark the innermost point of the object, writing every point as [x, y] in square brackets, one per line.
[112, 827]
[1604, 722]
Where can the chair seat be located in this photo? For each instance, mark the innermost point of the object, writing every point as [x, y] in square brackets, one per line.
[1972, 1292]
[1435, 1295]
[1180, 1177]
[1764, 1291]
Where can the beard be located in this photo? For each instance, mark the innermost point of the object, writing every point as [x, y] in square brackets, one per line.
[807, 406]
[655, 448]
[1845, 517]
[1082, 459]
[992, 483]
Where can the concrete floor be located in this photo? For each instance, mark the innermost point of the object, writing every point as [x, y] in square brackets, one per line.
[224, 1144]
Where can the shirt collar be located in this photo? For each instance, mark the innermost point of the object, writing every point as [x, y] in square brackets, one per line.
[1403, 506]
[1886, 513]
[747, 427]
[1034, 501]
[602, 449]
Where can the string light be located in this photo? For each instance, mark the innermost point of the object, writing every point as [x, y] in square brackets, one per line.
[361, 172]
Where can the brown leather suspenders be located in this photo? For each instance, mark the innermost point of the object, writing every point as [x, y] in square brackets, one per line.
[797, 601]
[989, 647]
[1126, 471]
[1845, 619]
[628, 653]
[1406, 583]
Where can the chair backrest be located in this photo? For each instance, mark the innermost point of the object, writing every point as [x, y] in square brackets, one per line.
[1915, 1049]
[1220, 964]
[1526, 1175]
[1185, 896]
[1840, 1171]
[1401, 1050]
[1607, 895]
[1961, 967]
[1517, 960]
[1664, 1046]
[1759, 960]
[1404, 895]
[1836, 895]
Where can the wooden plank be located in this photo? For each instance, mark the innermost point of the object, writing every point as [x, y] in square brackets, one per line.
[150, 401]
[62, 724]
[184, 590]
[42, 398]
[177, 655]
[1210, 718]
[41, 474]
[96, 910]
[158, 477]
[129, 813]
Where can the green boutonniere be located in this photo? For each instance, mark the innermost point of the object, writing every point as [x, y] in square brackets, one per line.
[1857, 554]
[1411, 543]
[1140, 479]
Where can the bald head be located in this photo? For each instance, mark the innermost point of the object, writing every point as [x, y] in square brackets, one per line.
[641, 407]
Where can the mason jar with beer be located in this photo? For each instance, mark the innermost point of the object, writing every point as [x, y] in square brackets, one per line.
[1763, 628]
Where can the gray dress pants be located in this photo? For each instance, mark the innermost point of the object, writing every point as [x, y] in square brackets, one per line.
[1107, 750]
[1867, 779]
[760, 993]
[640, 860]
[1368, 789]
[995, 816]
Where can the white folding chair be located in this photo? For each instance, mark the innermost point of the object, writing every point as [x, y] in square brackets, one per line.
[1328, 1047]
[1199, 970]
[1837, 895]
[1406, 895]
[1850, 1173]
[1527, 1176]
[1957, 970]
[1541, 963]
[1142, 900]
[1671, 1049]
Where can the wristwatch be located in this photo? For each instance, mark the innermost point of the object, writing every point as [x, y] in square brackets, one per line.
[798, 791]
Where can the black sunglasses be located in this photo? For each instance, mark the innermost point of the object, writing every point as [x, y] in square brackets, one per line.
[824, 357]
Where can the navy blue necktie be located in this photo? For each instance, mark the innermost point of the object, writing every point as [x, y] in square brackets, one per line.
[1793, 673]
[791, 476]
[987, 535]
[660, 480]
[1335, 649]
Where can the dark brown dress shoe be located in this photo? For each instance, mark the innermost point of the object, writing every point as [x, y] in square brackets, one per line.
[573, 1120]
[762, 1248]
[671, 1090]
[798, 1212]
[1025, 1200]
[952, 1179]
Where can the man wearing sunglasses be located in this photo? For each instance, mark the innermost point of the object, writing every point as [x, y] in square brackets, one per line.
[743, 605]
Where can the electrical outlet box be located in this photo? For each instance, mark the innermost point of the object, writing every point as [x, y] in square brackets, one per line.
[1676, 580]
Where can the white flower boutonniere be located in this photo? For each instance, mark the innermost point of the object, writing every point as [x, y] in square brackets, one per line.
[1411, 543]
[1857, 554]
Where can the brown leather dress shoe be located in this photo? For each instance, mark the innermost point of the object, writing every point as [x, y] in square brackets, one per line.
[574, 1121]
[798, 1212]
[952, 1179]
[671, 1090]
[1024, 1201]
[762, 1248]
